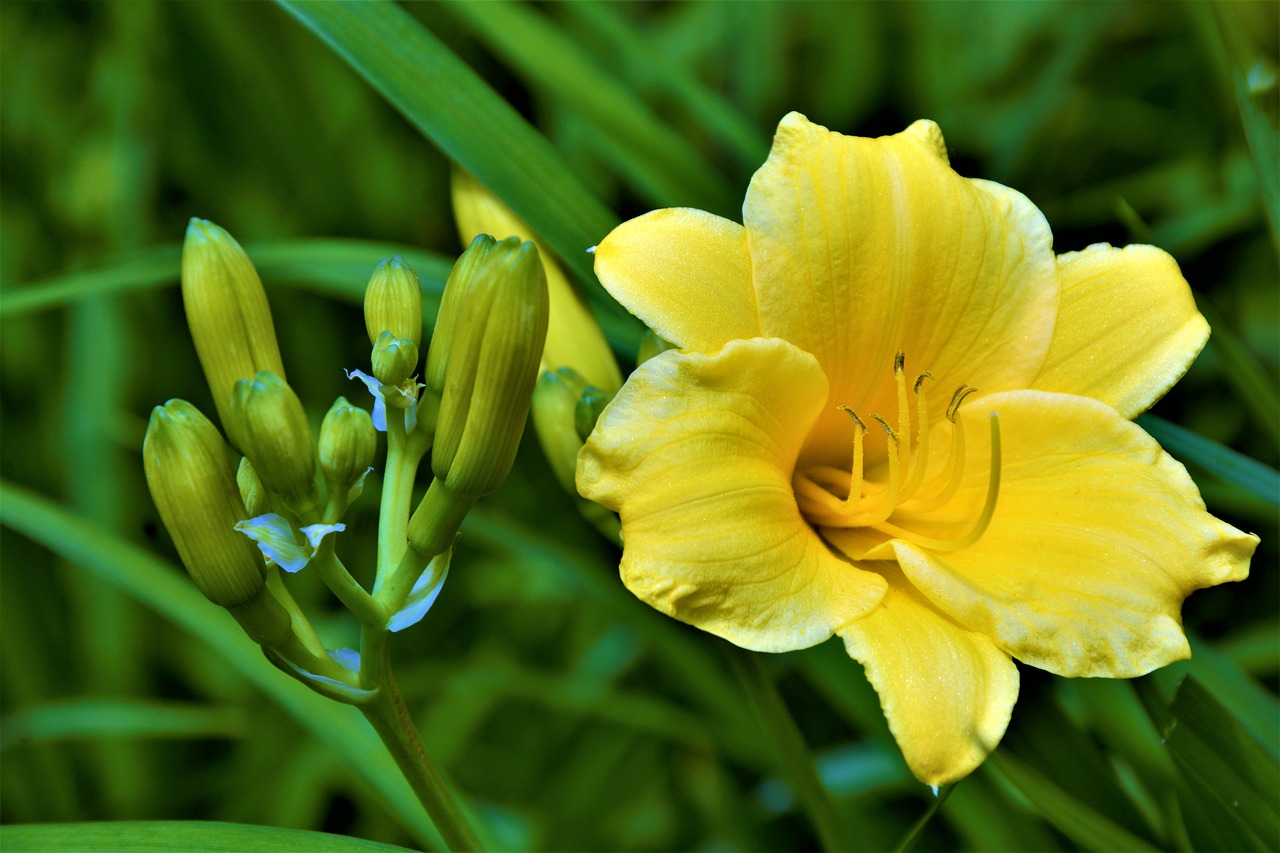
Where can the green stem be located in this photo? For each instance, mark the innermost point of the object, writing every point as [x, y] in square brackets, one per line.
[390, 719]
[339, 580]
[910, 838]
[793, 753]
[403, 456]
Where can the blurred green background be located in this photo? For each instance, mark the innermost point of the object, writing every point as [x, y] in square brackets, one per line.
[570, 715]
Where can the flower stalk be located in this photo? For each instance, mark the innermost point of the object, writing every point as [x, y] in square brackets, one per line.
[289, 495]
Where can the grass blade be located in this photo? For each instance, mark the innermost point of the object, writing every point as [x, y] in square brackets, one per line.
[450, 105]
[1221, 461]
[1072, 818]
[161, 836]
[109, 717]
[655, 157]
[164, 589]
[1234, 768]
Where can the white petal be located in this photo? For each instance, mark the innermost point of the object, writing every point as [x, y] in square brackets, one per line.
[275, 540]
[423, 594]
[348, 659]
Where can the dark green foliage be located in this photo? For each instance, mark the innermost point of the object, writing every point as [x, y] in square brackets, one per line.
[570, 714]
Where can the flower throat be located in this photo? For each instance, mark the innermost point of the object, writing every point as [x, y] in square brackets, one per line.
[835, 497]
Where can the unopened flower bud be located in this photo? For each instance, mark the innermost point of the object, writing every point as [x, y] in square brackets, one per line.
[563, 404]
[481, 367]
[393, 302]
[394, 359]
[574, 338]
[273, 432]
[650, 345]
[191, 483]
[495, 326]
[588, 409]
[348, 442]
[554, 412]
[252, 492]
[227, 312]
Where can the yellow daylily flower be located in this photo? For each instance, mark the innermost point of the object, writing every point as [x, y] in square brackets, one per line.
[813, 459]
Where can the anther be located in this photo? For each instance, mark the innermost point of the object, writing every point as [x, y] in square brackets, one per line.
[851, 413]
[956, 399]
[915, 388]
[888, 429]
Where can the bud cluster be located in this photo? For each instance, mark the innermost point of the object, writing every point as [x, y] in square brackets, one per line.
[236, 527]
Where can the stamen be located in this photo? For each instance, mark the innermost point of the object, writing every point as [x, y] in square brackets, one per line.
[956, 399]
[890, 497]
[855, 476]
[915, 475]
[947, 484]
[904, 411]
[984, 518]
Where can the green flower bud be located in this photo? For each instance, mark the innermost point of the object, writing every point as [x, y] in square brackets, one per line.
[495, 327]
[651, 345]
[554, 411]
[574, 338]
[585, 414]
[227, 313]
[252, 492]
[273, 432]
[394, 359]
[191, 483]
[480, 372]
[393, 302]
[563, 403]
[348, 442]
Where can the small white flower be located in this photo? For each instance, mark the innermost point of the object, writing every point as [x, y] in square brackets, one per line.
[395, 396]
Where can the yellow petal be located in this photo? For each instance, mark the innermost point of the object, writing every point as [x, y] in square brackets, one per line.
[862, 247]
[574, 338]
[696, 454]
[1097, 537]
[1127, 327]
[947, 692]
[685, 273]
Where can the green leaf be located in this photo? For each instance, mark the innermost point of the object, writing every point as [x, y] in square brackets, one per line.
[618, 38]
[1232, 766]
[1071, 817]
[162, 836]
[166, 590]
[1249, 702]
[454, 108]
[1234, 467]
[339, 268]
[84, 719]
[1255, 386]
[661, 164]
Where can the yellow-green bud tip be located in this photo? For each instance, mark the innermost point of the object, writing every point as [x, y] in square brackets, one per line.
[272, 429]
[227, 312]
[493, 321]
[393, 302]
[394, 359]
[191, 483]
[348, 442]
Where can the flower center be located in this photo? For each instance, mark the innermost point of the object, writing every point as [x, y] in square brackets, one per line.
[835, 497]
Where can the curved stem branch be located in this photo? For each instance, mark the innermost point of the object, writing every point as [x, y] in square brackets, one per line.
[390, 719]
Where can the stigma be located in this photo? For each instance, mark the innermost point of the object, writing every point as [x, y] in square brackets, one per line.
[902, 496]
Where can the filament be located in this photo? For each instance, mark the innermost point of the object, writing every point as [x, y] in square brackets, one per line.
[984, 518]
